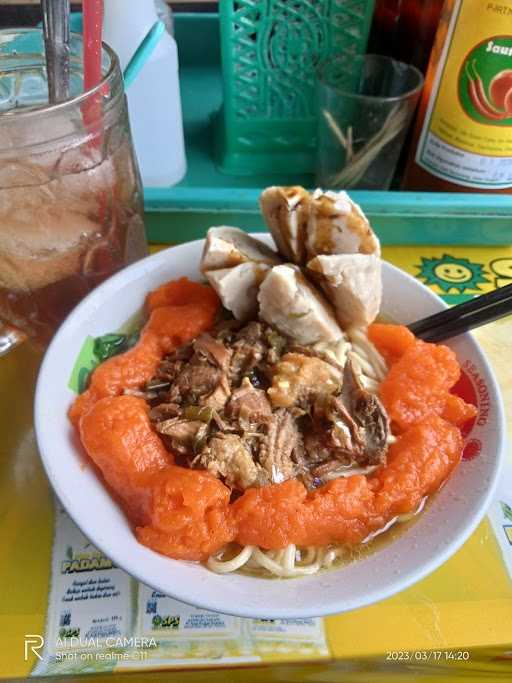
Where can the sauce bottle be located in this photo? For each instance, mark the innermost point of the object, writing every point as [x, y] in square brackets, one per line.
[462, 140]
[405, 30]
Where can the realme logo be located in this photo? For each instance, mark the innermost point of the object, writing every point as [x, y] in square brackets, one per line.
[33, 643]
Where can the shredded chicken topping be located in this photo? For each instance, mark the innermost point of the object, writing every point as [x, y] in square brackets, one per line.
[253, 407]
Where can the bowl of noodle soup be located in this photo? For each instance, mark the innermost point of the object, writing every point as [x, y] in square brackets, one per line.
[324, 580]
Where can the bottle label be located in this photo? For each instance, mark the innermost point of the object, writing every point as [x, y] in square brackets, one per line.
[467, 131]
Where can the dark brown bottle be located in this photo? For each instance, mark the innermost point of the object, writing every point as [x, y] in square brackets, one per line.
[405, 29]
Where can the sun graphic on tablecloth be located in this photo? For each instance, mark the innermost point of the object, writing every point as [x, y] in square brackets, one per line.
[449, 272]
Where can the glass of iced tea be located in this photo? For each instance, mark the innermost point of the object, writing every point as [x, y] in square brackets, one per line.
[71, 210]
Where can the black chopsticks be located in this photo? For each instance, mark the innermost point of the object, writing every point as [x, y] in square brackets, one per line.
[481, 310]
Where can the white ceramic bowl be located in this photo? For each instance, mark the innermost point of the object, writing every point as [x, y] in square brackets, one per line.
[440, 531]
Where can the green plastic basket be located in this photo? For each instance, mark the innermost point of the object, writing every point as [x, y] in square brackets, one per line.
[270, 50]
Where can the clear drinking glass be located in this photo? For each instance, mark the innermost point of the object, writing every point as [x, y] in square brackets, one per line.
[361, 131]
[71, 211]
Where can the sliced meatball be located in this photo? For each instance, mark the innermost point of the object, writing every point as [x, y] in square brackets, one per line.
[353, 284]
[337, 225]
[286, 213]
[298, 310]
[237, 287]
[227, 247]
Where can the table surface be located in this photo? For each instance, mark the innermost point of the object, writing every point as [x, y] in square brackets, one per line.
[465, 604]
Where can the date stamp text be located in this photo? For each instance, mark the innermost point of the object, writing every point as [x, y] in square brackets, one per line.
[427, 656]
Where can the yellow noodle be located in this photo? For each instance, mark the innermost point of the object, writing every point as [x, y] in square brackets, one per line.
[281, 569]
[226, 566]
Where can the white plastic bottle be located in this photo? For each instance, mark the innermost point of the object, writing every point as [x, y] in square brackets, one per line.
[154, 98]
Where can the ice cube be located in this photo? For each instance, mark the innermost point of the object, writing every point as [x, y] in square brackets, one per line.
[41, 243]
[84, 184]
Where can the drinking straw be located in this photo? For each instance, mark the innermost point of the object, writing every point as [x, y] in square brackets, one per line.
[93, 25]
[143, 53]
[92, 30]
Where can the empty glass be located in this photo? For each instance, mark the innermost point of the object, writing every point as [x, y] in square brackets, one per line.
[361, 130]
[71, 208]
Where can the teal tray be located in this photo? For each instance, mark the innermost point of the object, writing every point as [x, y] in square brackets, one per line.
[208, 197]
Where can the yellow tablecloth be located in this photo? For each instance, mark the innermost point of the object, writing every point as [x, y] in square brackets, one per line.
[466, 605]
